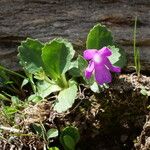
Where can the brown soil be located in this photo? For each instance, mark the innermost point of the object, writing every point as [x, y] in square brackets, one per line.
[110, 120]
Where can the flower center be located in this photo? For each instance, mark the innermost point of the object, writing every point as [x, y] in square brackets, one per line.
[97, 58]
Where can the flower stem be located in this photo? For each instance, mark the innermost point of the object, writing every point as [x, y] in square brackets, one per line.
[62, 82]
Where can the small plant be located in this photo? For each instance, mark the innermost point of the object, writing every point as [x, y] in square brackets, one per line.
[40, 130]
[53, 74]
[136, 51]
[68, 136]
[104, 56]
[51, 68]
[48, 66]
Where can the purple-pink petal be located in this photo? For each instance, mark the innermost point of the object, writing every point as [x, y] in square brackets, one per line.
[105, 51]
[102, 75]
[89, 70]
[111, 67]
[89, 54]
[100, 65]
[116, 69]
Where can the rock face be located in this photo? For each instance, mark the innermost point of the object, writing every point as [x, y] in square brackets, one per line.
[143, 141]
[72, 19]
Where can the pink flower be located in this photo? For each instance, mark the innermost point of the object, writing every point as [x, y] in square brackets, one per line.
[100, 65]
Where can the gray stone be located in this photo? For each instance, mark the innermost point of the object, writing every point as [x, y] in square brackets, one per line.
[72, 19]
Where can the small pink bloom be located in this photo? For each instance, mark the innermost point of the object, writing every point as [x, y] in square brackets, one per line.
[100, 65]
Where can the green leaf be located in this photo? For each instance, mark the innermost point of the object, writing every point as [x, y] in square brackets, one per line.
[30, 55]
[118, 57]
[95, 88]
[57, 56]
[74, 64]
[25, 81]
[40, 74]
[66, 99]
[69, 137]
[38, 129]
[45, 88]
[9, 110]
[144, 91]
[78, 69]
[16, 101]
[51, 133]
[71, 131]
[35, 98]
[115, 54]
[69, 143]
[98, 37]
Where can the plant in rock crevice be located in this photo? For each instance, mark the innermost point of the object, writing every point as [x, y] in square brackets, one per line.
[103, 55]
[100, 38]
[68, 136]
[51, 68]
[48, 64]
